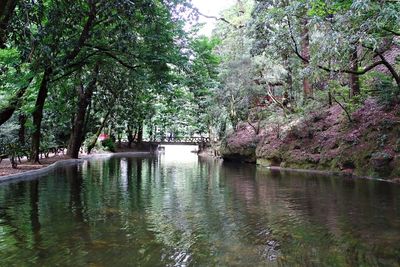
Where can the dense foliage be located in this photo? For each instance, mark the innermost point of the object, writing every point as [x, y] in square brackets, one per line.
[72, 70]
[292, 56]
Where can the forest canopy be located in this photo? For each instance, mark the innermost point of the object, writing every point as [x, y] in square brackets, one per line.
[71, 70]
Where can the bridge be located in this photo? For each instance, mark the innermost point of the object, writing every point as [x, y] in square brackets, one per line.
[175, 140]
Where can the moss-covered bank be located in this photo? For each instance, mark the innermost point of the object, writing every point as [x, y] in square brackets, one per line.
[326, 140]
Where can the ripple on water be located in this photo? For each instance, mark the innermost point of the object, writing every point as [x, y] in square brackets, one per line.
[180, 258]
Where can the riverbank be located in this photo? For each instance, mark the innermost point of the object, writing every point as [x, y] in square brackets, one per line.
[26, 169]
[25, 165]
[325, 140]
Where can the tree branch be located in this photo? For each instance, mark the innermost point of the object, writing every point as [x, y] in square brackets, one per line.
[85, 31]
[345, 110]
[384, 61]
[112, 55]
[359, 72]
[15, 102]
[296, 48]
[392, 70]
[391, 31]
[219, 18]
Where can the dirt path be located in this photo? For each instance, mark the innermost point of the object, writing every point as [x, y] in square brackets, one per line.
[25, 165]
[6, 169]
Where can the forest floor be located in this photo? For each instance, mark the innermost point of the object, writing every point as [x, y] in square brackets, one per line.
[25, 165]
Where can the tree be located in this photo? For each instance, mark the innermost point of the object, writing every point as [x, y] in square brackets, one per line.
[337, 37]
[6, 12]
[243, 79]
[85, 94]
[61, 40]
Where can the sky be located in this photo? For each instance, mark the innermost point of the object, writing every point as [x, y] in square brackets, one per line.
[211, 8]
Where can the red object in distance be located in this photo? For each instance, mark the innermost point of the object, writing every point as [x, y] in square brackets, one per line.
[103, 136]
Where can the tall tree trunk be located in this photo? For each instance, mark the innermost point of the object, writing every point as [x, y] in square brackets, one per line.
[21, 131]
[38, 115]
[150, 132]
[140, 133]
[354, 79]
[6, 11]
[76, 137]
[130, 136]
[78, 127]
[85, 128]
[305, 52]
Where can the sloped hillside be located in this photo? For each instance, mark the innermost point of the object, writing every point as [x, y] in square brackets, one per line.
[326, 140]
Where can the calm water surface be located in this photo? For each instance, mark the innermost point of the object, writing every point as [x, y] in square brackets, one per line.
[157, 211]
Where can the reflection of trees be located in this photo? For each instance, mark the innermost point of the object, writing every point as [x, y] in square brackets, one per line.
[35, 222]
[15, 228]
[205, 212]
[332, 216]
[76, 205]
[138, 174]
[134, 182]
[321, 219]
[11, 193]
[195, 215]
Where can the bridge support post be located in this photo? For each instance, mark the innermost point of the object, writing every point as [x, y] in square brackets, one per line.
[202, 146]
[153, 148]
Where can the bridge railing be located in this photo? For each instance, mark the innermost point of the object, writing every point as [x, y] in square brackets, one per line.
[180, 139]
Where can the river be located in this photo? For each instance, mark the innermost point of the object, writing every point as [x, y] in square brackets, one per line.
[190, 211]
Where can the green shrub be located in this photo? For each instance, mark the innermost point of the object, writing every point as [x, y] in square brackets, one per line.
[382, 86]
[319, 101]
[108, 145]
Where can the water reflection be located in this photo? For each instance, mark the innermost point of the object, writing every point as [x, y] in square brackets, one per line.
[34, 216]
[131, 211]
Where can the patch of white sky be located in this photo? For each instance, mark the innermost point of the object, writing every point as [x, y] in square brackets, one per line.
[211, 8]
